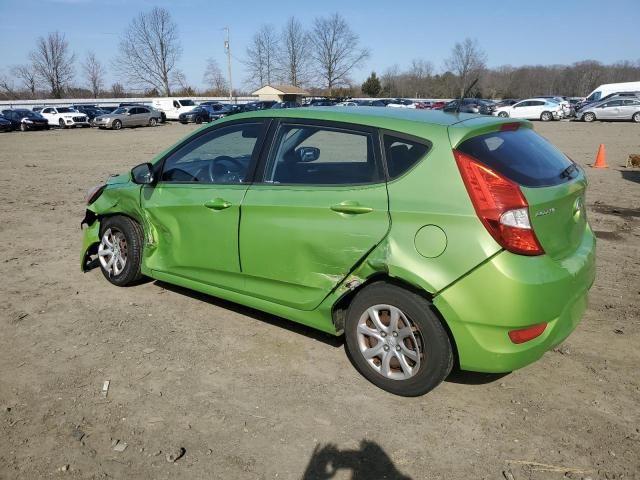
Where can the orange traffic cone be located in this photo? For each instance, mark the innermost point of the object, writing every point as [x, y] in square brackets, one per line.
[601, 158]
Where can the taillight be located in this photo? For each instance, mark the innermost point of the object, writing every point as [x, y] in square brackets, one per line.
[525, 334]
[500, 205]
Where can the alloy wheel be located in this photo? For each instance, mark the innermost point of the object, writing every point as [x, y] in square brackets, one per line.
[390, 342]
[112, 252]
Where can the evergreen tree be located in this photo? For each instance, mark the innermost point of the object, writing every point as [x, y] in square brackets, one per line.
[371, 85]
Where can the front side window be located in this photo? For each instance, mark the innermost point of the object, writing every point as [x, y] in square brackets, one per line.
[220, 156]
[402, 154]
[318, 155]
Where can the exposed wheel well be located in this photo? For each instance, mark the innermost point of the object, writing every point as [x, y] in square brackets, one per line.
[340, 307]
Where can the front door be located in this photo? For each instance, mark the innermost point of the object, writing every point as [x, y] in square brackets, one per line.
[195, 207]
[319, 207]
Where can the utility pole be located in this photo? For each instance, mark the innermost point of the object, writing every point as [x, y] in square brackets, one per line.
[227, 48]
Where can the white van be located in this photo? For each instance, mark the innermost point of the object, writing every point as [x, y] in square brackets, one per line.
[604, 90]
[173, 106]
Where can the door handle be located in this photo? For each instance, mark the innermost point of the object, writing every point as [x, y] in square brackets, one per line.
[353, 208]
[217, 204]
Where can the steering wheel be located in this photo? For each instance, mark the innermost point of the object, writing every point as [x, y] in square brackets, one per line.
[217, 169]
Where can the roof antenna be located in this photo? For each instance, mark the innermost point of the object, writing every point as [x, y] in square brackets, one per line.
[464, 95]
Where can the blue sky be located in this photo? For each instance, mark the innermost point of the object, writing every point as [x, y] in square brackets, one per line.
[511, 32]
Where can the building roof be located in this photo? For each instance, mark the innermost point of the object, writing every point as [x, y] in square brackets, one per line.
[281, 89]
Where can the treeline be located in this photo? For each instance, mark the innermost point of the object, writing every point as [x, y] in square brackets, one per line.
[320, 57]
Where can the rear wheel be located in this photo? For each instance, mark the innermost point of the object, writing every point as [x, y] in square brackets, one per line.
[636, 117]
[546, 116]
[153, 122]
[396, 341]
[116, 125]
[120, 250]
[589, 117]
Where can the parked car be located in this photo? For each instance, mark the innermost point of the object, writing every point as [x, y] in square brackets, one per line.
[619, 108]
[608, 88]
[128, 117]
[612, 96]
[506, 102]
[288, 104]
[371, 103]
[346, 240]
[401, 103]
[347, 104]
[23, 119]
[320, 102]
[254, 106]
[471, 105]
[438, 105]
[91, 111]
[64, 117]
[564, 103]
[172, 107]
[5, 125]
[198, 115]
[532, 109]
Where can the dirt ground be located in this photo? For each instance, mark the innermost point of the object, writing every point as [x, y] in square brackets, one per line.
[251, 396]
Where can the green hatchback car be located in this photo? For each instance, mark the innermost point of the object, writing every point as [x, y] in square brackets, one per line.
[429, 239]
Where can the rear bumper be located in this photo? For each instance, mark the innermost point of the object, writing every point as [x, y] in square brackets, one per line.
[510, 292]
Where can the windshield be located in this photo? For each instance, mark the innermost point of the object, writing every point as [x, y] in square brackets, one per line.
[187, 103]
[119, 111]
[594, 96]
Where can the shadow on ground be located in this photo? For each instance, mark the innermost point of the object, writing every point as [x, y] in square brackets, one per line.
[631, 175]
[256, 314]
[369, 462]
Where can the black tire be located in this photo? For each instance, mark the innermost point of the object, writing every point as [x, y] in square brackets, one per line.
[636, 117]
[503, 114]
[23, 127]
[198, 120]
[153, 122]
[133, 236]
[436, 353]
[116, 125]
[61, 123]
[589, 117]
[546, 116]
[47, 127]
[163, 117]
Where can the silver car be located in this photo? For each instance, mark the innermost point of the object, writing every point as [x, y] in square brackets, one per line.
[612, 109]
[128, 117]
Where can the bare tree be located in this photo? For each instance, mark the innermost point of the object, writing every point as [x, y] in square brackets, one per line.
[294, 64]
[467, 60]
[214, 78]
[6, 88]
[261, 56]
[27, 76]
[335, 50]
[53, 62]
[150, 51]
[94, 73]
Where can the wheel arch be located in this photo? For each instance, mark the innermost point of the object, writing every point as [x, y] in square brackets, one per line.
[340, 307]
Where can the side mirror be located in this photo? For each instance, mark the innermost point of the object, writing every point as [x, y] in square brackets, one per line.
[142, 174]
[308, 154]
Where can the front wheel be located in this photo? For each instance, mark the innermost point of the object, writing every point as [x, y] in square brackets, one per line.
[636, 117]
[120, 250]
[153, 122]
[61, 123]
[23, 127]
[546, 116]
[396, 341]
[503, 114]
[589, 117]
[116, 125]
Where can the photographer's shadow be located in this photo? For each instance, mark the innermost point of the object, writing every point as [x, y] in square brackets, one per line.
[370, 462]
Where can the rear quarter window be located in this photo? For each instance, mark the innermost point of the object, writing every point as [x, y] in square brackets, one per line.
[521, 155]
[402, 154]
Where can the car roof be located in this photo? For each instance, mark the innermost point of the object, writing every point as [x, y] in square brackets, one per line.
[373, 116]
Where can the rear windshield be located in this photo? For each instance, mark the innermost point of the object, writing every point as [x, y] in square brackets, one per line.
[521, 155]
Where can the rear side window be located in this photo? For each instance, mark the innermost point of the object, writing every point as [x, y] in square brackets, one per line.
[521, 155]
[402, 154]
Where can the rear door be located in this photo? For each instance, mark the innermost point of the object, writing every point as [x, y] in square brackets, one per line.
[318, 207]
[553, 185]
